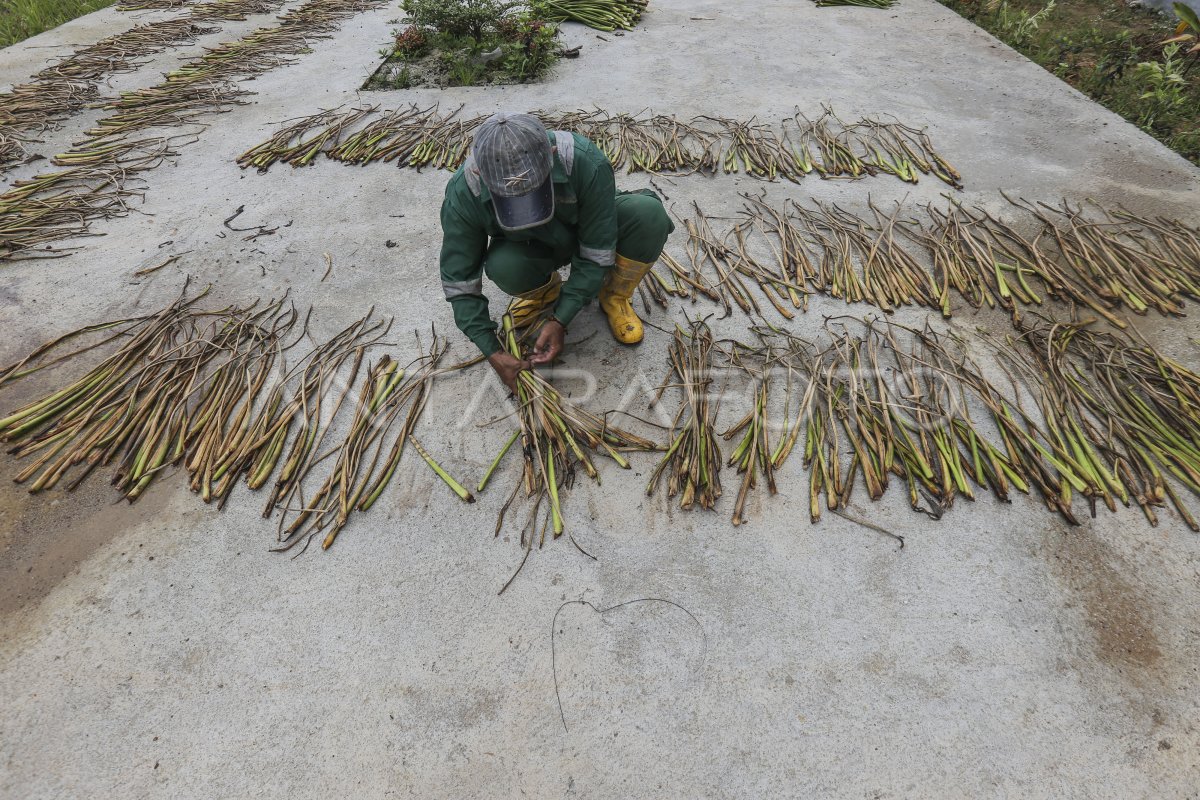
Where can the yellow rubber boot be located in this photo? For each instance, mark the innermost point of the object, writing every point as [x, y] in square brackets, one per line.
[615, 299]
[527, 306]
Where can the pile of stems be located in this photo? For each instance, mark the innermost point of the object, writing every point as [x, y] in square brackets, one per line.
[222, 444]
[1104, 261]
[706, 250]
[390, 401]
[693, 456]
[180, 387]
[653, 143]
[231, 10]
[793, 267]
[862, 261]
[309, 412]
[897, 401]
[208, 392]
[859, 3]
[1126, 417]
[764, 446]
[986, 262]
[142, 109]
[28, 110]
[823, 249]
[556, 438]
[753, 454]
[756, 150]
[412, 137]
[212, 10]
[291, 146]
[123, 52]
[870, 146]
[646, 142]
[776, 284]
[1108, 261]
[903, 151]
[825, 145]
[403, 136]
[70, 84]
[152, 5]
[603, 15]
[62, 205]
[1125, 260]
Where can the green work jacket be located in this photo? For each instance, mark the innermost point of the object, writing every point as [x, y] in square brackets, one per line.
[584, 224]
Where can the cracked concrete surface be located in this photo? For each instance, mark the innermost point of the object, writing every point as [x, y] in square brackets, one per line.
[159, 650]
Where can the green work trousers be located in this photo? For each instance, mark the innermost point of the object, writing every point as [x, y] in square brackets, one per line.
[642, 229]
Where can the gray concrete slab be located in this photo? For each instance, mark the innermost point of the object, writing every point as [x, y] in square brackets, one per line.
[161, 651]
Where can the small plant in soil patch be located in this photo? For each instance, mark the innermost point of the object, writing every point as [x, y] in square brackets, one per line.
[466, 43]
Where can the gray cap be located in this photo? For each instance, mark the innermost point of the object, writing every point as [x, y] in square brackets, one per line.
[513, 155]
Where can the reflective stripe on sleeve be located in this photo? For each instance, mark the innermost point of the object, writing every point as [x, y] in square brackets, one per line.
[605, 258]
[455, 289]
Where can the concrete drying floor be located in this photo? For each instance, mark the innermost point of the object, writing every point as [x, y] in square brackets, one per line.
[159, 650]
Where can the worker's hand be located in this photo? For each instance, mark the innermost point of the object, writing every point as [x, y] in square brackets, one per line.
[549, 343]
[508, 367]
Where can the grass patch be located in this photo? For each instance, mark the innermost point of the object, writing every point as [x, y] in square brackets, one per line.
[1110, 51]
[20, 19]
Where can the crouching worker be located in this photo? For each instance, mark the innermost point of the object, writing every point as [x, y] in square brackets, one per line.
[525, 202]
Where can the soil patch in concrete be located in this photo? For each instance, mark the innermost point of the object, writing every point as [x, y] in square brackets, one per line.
[1117, 611]
[51, 535]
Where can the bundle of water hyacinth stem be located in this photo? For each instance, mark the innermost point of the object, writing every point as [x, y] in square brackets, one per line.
[208, 391]
[219, 395]
[363, 462]
[419, 137]
[1113, 421]
[153, 5]
[98, 171]
[182, 383]
[603, 15]
[753, 455]
[1125, 417]
[859, 3]
[70, 84]
[1103, 260]
[556, 438]
[693, 456]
